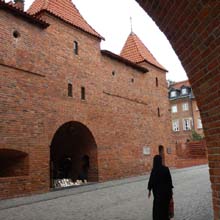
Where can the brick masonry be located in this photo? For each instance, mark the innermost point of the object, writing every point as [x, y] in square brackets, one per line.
[119, 115]
[193, 29]
[191, 154]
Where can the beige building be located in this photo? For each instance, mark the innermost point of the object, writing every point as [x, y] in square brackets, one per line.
[185, 115]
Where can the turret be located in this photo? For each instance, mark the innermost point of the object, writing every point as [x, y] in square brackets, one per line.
[19, 4]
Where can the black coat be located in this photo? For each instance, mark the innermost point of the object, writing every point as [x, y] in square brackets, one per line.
[160, 183]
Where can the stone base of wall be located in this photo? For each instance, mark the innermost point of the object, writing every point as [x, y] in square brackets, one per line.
[182, 163]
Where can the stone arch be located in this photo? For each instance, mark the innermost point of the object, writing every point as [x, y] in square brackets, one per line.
[72, 142]
[193, 29]
[13, 163]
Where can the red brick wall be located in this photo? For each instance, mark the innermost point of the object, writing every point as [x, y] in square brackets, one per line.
[35, 71]
[197, 149]
[192, 27]
[182, 163]
[191, 154]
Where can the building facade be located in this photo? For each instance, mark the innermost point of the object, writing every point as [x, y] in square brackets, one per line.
[185, 115]
[64, 99]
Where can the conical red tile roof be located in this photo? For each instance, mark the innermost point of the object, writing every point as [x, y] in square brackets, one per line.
[135, 51]
[65, 10]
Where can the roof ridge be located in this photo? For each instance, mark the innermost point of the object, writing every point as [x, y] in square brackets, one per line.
[24, 14]
[141, 44]
[182, 81]
[46, 3]
[84, 19]
[137, 46]
[124, 60]
[135, 50]
[66, 11]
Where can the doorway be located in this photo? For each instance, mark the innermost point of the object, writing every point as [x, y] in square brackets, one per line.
[73, 154]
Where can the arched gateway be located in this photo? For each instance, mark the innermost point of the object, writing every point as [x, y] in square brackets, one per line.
[71, 144]
[192, 28]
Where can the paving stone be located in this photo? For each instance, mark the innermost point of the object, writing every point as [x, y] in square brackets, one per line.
[116, 200]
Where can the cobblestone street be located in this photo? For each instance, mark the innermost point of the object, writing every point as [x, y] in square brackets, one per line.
[121, 200]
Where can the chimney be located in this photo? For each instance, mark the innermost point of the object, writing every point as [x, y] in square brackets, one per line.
[19, 4]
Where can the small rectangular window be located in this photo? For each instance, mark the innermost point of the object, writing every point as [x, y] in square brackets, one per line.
[157, 82]
[173, 94]
[175, 125]
[158, 112]
[184, 91]
[186, 124]
[70, 90]
[83, 93]
[185, 106]
[174, 108]
[75, 47]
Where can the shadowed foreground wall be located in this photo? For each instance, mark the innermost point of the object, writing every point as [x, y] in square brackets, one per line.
[193, 29]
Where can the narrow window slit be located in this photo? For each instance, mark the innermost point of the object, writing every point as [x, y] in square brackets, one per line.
[75, 47]
[70, 90]
[83, 93]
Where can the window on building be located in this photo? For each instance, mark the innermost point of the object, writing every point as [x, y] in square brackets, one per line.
[186, 124]
[75, 47]
[158, 112]
[174, 108]
[70, 90]
[157, 82]
[173, 94]
[185, 106]
[83, 93]
[184, 91]
[16, 34]
[199, 121]
[175, 125]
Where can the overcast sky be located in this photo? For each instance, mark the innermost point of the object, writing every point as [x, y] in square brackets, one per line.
[111, 19]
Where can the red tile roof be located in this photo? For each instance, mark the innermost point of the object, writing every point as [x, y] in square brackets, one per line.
[125, 61]
[10, 6]
[137, 52]
[178, 85]
[65, 10]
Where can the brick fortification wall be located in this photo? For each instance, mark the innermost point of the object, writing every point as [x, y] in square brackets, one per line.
[191, 154]
[120, 110]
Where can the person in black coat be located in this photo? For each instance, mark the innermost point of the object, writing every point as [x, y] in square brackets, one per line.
[160, 183]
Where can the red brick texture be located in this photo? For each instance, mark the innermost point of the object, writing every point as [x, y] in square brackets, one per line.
[193, 29]
[182, 163]
[191, 154]
[120, 110]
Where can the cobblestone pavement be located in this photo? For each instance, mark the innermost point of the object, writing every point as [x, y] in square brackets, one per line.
[116, 200]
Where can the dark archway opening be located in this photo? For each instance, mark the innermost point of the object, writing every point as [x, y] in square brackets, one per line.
[73, 154]
[161, 153]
